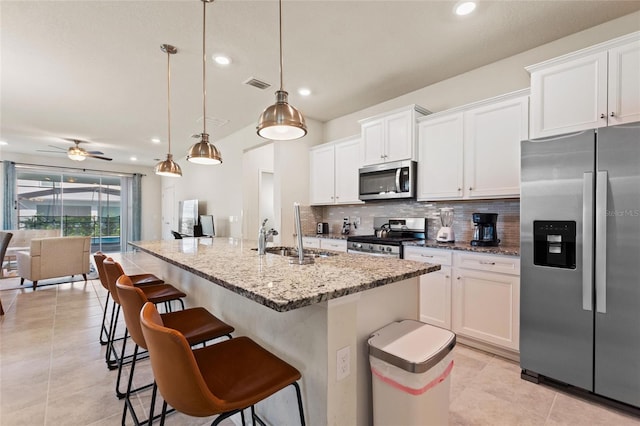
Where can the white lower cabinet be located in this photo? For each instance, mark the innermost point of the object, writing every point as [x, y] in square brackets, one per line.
[333, 244]
[324, 243]
[435, 288]
[475, 295]
[486, 298]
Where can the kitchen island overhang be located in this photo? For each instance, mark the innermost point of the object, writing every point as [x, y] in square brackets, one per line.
[271, 280]
[305, 324]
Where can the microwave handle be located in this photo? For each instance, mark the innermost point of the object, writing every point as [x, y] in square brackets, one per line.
[398, 188]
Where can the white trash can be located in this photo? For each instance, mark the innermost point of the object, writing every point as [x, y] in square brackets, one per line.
[411, 364]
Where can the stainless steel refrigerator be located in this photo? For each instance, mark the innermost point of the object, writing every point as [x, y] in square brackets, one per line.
[580, 261]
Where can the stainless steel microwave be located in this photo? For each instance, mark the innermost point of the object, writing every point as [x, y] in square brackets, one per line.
[388, 181]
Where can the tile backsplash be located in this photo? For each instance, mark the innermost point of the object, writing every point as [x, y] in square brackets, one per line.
[508, 216]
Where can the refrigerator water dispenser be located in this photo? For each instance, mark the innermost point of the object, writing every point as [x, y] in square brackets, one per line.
[554, 244]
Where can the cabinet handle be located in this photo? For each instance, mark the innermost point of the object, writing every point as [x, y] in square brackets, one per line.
[426, 255]
[603, 116]
[457, 278]
[470, 188]
[482, 262]
[447, 276]
[612, 114]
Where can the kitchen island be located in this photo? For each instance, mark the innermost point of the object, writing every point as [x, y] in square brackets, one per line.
[303, 313]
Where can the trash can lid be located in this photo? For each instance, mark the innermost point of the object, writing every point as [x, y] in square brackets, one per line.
[411, 345]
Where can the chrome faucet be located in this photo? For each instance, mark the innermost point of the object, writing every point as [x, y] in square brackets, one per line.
[263, 235]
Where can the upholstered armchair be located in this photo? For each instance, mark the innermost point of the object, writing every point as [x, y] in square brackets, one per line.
[54, 257]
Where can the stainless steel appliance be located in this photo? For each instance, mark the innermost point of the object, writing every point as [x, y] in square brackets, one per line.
[580, 261]
[390, 234]
[485, 233]
[388, 181]
[322, 228]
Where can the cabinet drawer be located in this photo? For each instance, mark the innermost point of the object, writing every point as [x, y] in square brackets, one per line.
[335, 245]
[492, 263]
[311, 242]
[428, 255]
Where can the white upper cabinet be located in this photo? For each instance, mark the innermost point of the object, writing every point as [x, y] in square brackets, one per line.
[391, 136]
[594, 87]
[473, 152]
[334, 172]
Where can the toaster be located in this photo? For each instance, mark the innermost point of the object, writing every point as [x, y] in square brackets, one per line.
[323, 228]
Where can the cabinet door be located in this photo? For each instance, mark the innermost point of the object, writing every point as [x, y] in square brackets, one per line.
[440, 165]
[321, 185]
[311, 242]
[492, 148]
[373, 142]
[624, 84]
[399, 137]
[347, 163]
[435, 298]
[486, 307]
[569, 97]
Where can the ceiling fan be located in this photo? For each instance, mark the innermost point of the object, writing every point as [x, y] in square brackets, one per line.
[78, 153]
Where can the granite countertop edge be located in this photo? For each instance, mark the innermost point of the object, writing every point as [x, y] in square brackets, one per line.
[504, 250]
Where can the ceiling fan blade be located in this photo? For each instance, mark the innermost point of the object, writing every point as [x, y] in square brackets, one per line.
[57, 147]
[99, 157]
[76, 141]
[95, 152]
[53, 152]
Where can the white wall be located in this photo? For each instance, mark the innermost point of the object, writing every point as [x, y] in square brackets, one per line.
[151, 189]
[255, 161]
[491, 80]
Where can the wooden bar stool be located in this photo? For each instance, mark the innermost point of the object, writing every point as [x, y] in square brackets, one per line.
[197, 325]
[155, 293]
[222, 379]
[139, 279]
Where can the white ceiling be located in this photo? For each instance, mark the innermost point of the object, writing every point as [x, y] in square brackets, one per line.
[94, 69]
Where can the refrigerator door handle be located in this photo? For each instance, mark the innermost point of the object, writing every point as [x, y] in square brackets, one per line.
[587, 241]
[602, 180]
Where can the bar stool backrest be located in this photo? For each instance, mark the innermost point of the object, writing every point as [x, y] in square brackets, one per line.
[98, 258]
[132, 300]
[113, 270]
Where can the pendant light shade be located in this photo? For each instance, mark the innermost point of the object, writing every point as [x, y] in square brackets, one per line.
[281, 121]
[204, 152]
[168, 167]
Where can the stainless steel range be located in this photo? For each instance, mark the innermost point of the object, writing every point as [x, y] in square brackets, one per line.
[389, 237]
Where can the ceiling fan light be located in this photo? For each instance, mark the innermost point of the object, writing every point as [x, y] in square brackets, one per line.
[204, 152]
[76, 154]
[168, 168]
[281, 121]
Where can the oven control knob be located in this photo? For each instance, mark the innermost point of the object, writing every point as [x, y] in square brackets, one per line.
[389, 249]
[358, 245]
[370, 246]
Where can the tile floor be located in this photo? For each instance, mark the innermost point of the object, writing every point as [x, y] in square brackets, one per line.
[52, 372]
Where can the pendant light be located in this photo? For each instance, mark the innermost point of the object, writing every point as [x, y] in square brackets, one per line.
[281, 121]
[204, 152]
[168, 167]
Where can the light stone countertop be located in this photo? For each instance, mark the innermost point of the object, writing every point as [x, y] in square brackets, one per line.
[271, 281]
[501, 249]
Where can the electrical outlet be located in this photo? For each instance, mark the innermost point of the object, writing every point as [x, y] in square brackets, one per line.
[343, 363]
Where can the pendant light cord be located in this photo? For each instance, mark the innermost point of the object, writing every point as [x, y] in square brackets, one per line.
[204, 60]
[169, 99]
[280, 27]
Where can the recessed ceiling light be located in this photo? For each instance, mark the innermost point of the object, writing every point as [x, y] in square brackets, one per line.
[303, 91]
[155, 140]
[465, 7]
[222, 59]
[4, 143]
[133, 158]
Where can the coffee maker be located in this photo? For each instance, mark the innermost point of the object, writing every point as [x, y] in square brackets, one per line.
[484, 229]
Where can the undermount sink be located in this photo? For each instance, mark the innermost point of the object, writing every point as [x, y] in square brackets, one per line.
[292, 252]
